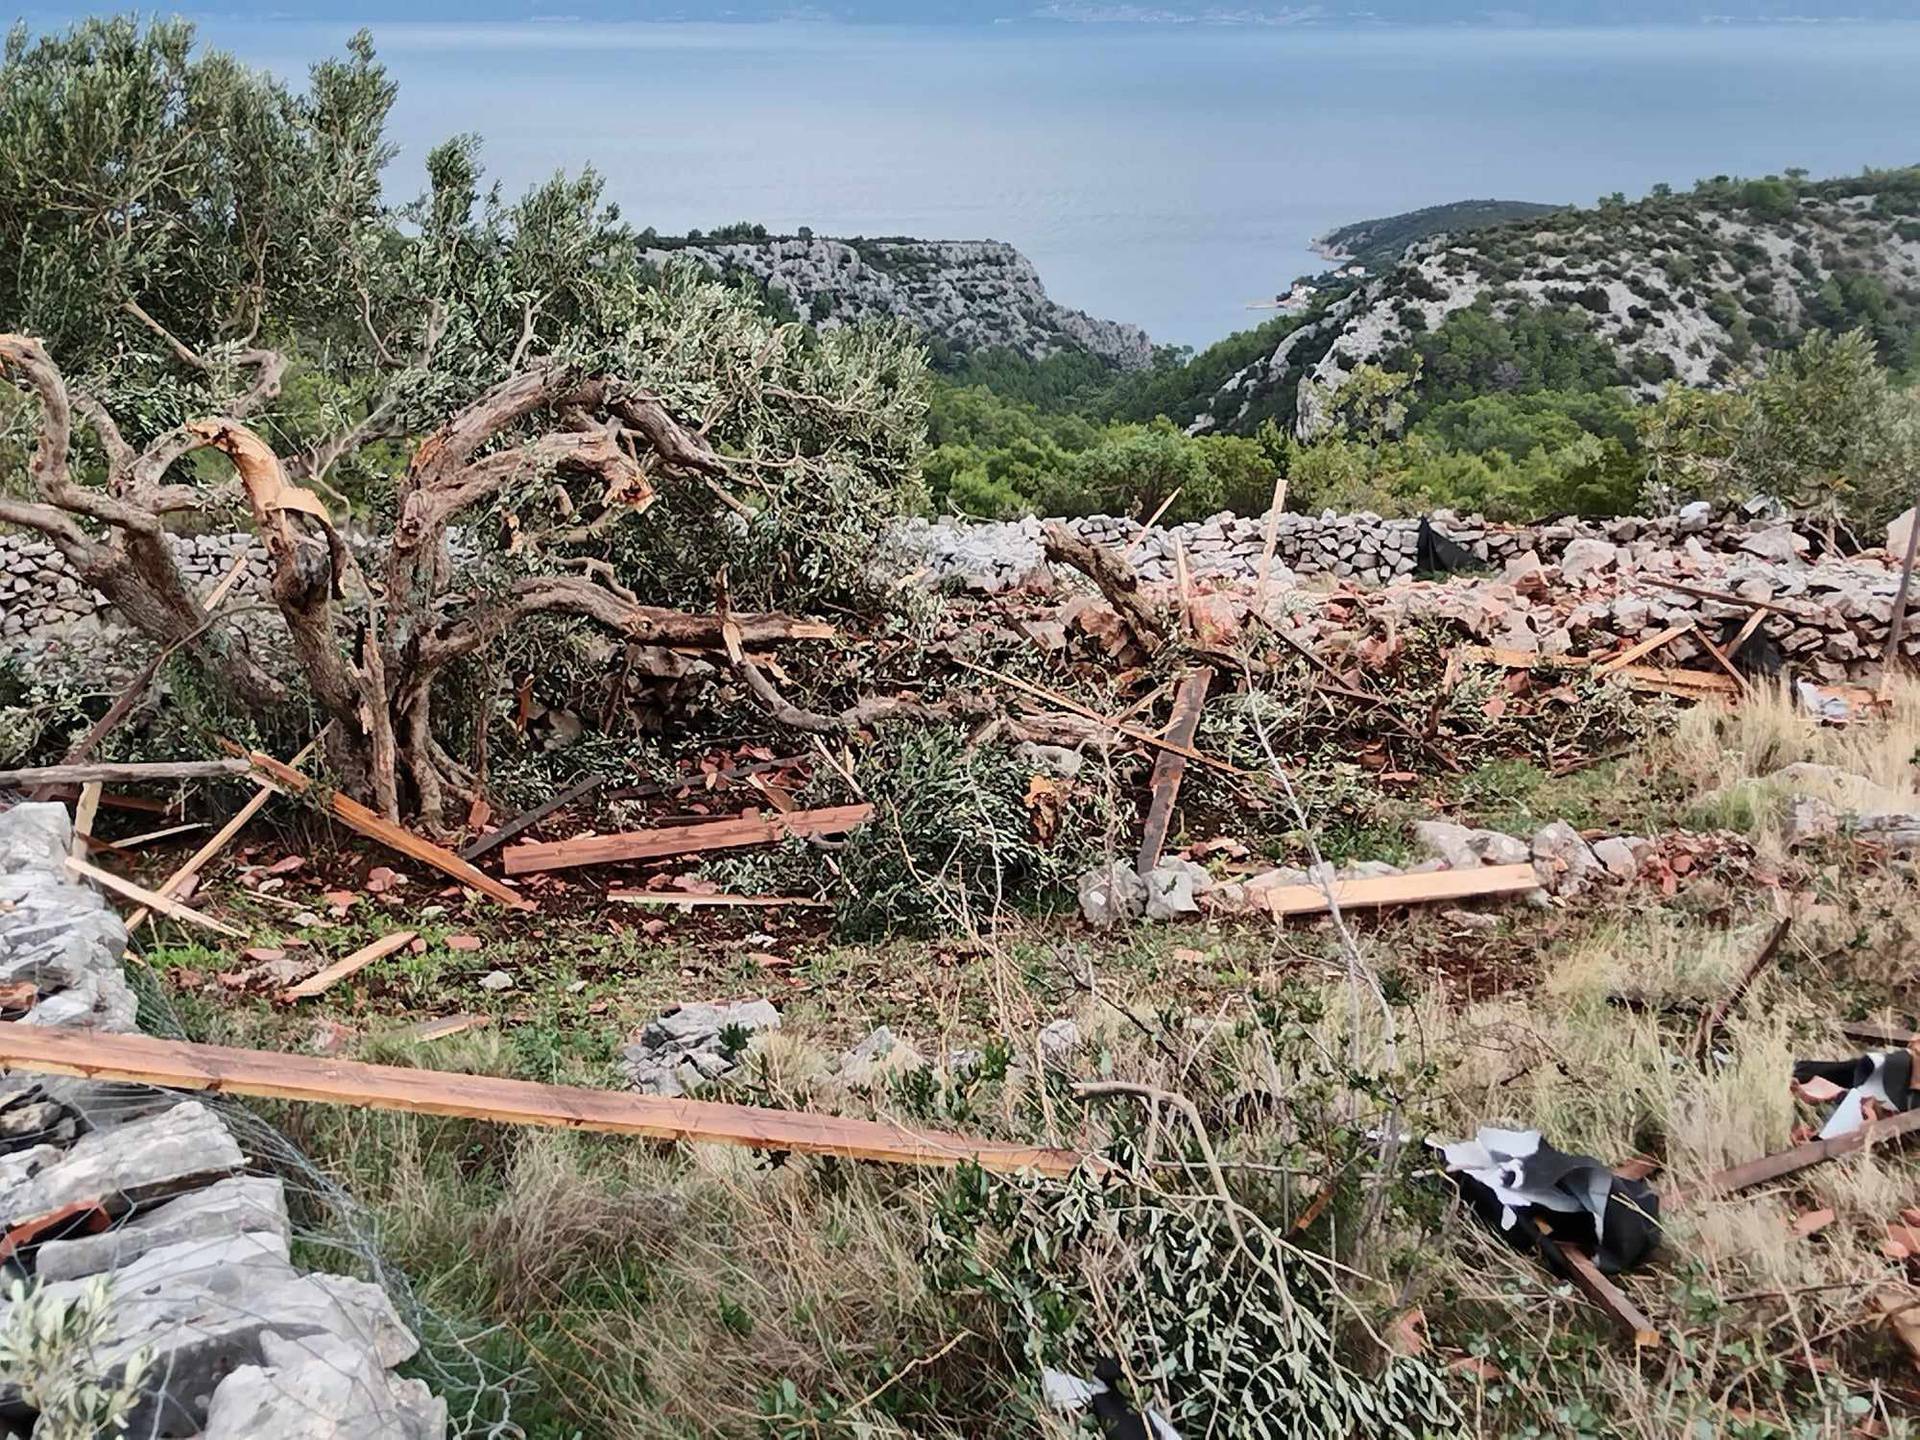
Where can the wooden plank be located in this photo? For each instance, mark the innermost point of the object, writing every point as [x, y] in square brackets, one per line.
[355, 816]
[725, 834]
[439, 1029]
[1719, 658]
[148, 898]
[178, 880]
[1746, 631]
[1643, 648]
[1710, 1025]
[1521, 659]
[1722, 596]
[1870, 1033]
[1401, 889]
[1168, 768]
[1132, 732]
[226, 1070]
[131, 773]
[1668, 680]
[149, 837]
[529, 818]
[1628, 1317]
[323, 980]
[1126, 556]
[1269, 542]
[688, 902]
[1800, 1157]
[86, 811]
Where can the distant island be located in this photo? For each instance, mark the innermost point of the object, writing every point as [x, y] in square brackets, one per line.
[1377, 244]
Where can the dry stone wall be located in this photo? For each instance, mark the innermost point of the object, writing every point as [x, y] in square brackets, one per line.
[1549, 583]
[1364, 547]
[240, 1343]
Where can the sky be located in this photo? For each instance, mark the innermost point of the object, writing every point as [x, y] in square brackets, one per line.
[1301, 13]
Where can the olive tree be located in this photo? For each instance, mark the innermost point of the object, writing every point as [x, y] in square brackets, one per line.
[1825, 429]
[206, 268]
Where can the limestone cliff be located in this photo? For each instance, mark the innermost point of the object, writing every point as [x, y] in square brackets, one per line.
[1694, 288]
[966, 294]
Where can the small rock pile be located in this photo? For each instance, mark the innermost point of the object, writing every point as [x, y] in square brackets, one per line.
[692, 1045]
[1564, 862]
[242, 1344]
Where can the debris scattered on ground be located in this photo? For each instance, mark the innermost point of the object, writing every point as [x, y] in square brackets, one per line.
[1882, 1080]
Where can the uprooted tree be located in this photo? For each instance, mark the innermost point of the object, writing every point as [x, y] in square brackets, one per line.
[206, 269]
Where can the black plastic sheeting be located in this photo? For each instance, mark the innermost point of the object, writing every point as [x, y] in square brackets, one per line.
[1441, 555]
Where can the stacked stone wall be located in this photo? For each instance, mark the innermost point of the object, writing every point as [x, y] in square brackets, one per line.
[151, 1192]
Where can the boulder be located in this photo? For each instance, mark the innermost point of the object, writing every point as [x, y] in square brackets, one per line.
[1111, 894]
[881, 1053]
[321, 1388]
[688, 1046]
[1444, 840]
[1585, 556]
[246, 1204]
[1172, 888]
[1618, 854]
[1495, 847]
[1779, 544]
[1056, 761]
[178, 1149]
[1368, 870]
[1899, 533]
[1564, 861]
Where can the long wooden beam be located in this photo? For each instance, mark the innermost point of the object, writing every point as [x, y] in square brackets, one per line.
[1630, 1319]
[1787, 1162]
[1415, 889]
[725, 834]
[374, 826]
[131, 773]
[1169, 768]
[222, 1069]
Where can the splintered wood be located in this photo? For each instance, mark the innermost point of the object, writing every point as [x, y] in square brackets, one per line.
[322, 981]
[356, 816]
[1170, 766]
[182, 1066]
[683, 839]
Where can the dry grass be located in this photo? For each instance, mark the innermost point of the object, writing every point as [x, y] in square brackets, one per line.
[654, 1291]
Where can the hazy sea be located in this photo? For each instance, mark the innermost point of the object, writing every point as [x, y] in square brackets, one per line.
[1166, 176]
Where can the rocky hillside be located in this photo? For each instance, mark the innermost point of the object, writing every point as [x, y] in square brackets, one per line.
[1691, 287]
[964, 294]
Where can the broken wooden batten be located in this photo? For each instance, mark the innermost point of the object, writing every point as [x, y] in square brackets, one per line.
[731, 833]
[180, 1065]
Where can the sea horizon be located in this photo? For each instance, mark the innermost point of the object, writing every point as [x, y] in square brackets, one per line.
[1166, 175]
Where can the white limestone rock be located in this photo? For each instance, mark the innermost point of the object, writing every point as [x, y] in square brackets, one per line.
[176, 1150]
[1111, 894]
[245, 1204]
[321, 1388]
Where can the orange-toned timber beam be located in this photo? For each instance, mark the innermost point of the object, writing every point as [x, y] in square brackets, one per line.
[220, 1069]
